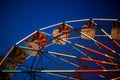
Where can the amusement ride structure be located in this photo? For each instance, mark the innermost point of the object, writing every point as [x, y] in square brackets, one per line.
[85, 49]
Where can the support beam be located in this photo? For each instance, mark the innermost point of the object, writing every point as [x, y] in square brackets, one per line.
[104, 19]
[113, 51]
[60, 75]
[26, 37]
[82, 71]
[74, 44]
[6, 56]
[118, 44]
[99, 61]
[44, 28]
[60, 54]
[81, 20]
[66, 61]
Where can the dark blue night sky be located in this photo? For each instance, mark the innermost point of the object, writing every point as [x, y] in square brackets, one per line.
[19, 18]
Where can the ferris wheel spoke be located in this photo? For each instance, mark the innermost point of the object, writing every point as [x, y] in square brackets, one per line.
[89, 57]
[99, 61]
[113, 51]
[82, 71]
[40, 62]
[89, 49]
[106, 33]
[100, 53]
[67, 61]
[44, 51]
[65, 55]
[74, 37]
[27, 48]
[58, 64]
[69, 71]
[112, 40]
[86, 48]
[61, 54]
[118, 44]
[81, 51]
[61, 75]
[49, 45]
[28, 57]
[48, 66]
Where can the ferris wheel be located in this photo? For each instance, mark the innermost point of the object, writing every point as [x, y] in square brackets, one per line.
[85, 49]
